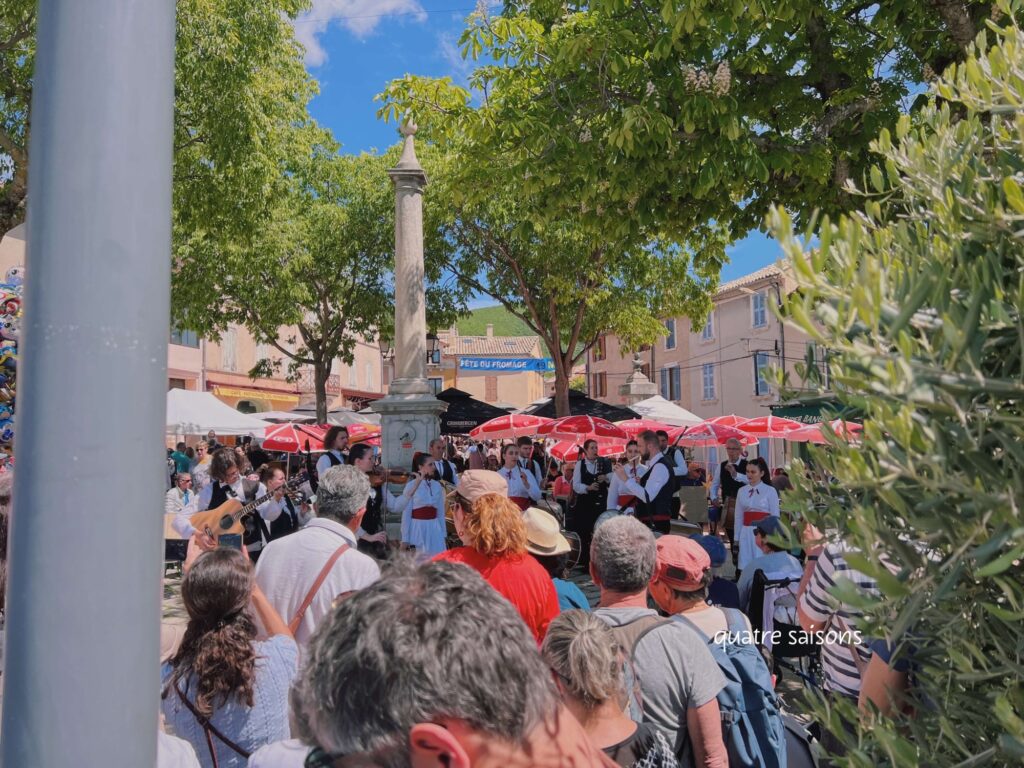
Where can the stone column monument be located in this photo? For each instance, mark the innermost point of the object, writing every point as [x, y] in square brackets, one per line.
[409, 413]
[637, 387]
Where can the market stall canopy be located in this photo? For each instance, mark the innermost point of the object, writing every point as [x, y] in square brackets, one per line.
[657, 408]
[581, 405]
[465, 412]
[283, 417]
[196, 413]
[339, 417]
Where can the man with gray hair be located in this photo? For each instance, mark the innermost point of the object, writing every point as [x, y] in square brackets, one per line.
[401, 674]
[677, 676]
[302, 574]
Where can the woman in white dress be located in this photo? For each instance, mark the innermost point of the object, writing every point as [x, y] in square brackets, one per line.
[422, 506]
[754, 502]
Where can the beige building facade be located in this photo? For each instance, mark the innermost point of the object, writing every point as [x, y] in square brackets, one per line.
[722, 368]
[222, 367]
[503, 389]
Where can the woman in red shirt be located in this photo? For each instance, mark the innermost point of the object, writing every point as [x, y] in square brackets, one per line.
[494, 534]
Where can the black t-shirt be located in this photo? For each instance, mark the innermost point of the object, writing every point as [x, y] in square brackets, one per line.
[646, 748]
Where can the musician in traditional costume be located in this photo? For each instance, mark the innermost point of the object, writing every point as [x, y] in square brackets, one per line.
[226, 482]
[655, 487]
[422, 506]
[335, 443]
[443, 468]
[372, 534]
[590, 482]
[755, 501]
[529, 462]
[730, 476]
[523, 488]
[618, 496]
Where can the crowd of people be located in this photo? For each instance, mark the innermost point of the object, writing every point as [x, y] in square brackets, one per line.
[318, 641]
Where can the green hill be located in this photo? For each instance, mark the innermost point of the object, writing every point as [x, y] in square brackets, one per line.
[505, 324]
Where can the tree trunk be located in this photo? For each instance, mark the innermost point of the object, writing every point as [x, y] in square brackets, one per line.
[320, 373]
[561, 388]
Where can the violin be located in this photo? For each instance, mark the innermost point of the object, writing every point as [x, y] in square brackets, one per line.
[381, 475]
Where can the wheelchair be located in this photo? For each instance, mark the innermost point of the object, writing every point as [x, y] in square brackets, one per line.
[793, 650]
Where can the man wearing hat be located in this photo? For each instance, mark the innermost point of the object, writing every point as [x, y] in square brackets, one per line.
[682, 576]
[722, 592]
[544, 540]
[776, 562]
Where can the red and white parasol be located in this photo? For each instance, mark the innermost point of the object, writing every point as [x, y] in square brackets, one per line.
[569, 450]
[769, 426]
[817, 433]
[509, 427]
[358, 433]
[729, 420]
[634, 427]
[292, 438]
[708, 433]
[581, 428]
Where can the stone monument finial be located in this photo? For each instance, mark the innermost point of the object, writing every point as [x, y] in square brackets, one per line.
[408, 161]
[638, 364]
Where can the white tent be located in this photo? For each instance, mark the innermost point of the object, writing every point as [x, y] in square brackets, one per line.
[657, 408]
[196, 413]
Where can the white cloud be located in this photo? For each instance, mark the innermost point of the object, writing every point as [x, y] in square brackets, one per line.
[360, 17]
[448, 48]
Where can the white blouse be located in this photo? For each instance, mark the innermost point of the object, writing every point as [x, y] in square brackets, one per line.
[516, 485]
[756, 498]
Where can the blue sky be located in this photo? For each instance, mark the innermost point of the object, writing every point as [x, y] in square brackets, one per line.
[355, 47]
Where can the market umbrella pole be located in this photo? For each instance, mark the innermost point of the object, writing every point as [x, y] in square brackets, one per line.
[83, 612]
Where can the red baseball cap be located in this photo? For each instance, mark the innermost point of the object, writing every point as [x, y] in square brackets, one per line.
[681, 563]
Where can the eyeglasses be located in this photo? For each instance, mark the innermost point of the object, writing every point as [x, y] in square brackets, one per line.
[321, 758]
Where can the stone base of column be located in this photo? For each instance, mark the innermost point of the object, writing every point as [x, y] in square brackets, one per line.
[408, 423]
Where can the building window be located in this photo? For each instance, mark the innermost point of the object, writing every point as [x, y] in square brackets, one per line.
[491, 389]
[759, 309]
[228, 343]
[764, 450]
[369, 377]
[708, 332]
[599, 384]
[184, 338]
[436, 384]
[262, 352]
[435, 357]
[353, 376]
[671, 379]
[670, 340]
[760, 374]
[599, 352]
[708, 381]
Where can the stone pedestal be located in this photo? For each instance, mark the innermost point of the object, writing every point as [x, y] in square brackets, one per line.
[409, 413]
[637, 387]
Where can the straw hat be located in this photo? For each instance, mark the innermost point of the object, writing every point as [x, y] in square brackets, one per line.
[543, 534]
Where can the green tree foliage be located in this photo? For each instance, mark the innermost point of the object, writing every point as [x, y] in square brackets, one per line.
[919, 296]
[567, 283]
[17, 44]
[673, 113]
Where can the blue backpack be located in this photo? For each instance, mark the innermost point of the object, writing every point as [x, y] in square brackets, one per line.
[752, 727]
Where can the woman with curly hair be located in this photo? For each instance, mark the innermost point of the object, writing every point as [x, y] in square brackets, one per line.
[492, 529]
[223, 691]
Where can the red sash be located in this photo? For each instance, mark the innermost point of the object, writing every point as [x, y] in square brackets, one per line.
[424, 513]
[523, 502]
[753, 518]
[626, 501]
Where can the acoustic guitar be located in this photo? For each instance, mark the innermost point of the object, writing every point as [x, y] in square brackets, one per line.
[227, 518]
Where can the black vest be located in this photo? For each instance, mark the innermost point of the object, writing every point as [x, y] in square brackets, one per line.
[444, 471]
[660, 507]
[335, 461]
[373, 519]
[600, 496]
[534, 467]
[255, 526]
[287, 522]
[674, 479]
[731, 487]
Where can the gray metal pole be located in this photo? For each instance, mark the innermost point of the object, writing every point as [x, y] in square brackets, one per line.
[81, 662]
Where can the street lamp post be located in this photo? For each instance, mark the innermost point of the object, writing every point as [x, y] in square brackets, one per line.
[83, 603]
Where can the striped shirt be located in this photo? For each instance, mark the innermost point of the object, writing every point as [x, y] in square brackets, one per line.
[837, 654]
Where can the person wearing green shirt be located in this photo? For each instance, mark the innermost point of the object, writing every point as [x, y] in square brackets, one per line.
[182, 463]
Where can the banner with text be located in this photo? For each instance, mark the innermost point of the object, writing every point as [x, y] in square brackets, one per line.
[506, 364]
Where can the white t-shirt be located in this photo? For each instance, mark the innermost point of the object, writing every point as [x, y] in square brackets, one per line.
[281, 754]
[172, 752]
[288, 567]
